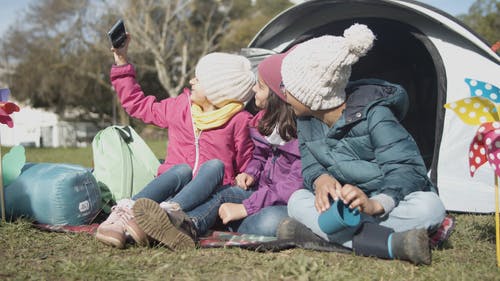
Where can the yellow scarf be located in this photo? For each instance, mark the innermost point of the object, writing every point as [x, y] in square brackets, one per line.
[216, 118]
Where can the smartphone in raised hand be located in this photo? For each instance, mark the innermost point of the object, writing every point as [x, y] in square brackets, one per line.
[117, 34]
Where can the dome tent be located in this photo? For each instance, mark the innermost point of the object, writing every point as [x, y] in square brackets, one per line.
[431, 54]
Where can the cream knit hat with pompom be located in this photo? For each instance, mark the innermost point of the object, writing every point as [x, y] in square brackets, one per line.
[317, 71]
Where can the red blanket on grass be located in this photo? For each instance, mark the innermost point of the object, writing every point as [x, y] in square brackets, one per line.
[215, 240]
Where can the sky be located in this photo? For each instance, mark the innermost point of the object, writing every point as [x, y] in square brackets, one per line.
[12, 9]
[9, 11]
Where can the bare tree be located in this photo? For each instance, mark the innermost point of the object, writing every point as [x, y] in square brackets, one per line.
[58, 56]
[50, 63]
[176, 33]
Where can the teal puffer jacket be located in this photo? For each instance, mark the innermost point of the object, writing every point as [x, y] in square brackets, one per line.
[367, 146]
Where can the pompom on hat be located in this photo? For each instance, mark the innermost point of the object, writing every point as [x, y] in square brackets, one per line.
[225, 78]
[317, 71]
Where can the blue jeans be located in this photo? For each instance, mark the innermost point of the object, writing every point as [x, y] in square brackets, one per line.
[417, 210]
[265, 222]
[178, 185]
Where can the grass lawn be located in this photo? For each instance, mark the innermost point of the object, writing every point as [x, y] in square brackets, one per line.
[27, 253]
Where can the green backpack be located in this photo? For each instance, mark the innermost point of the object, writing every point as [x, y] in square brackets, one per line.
[123, 163]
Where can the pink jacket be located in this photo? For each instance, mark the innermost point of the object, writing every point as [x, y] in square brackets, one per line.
[230, 143]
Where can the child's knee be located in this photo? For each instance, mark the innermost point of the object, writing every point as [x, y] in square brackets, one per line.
[268, 225]
[429, 209]
[435, 208]
[273, 215]
[299, 200]
[183, 170]
[215, 163]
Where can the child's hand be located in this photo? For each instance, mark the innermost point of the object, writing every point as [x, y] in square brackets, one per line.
[356, 198]
[244, 180]
[326, 186]
[232, 212]
[121, 53]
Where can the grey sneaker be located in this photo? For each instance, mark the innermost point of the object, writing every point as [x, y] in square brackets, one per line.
[156, 223]
[182, 222]
[170, 206]
[412, 245]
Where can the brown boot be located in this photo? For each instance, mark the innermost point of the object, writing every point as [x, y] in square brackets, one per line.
[156, 223]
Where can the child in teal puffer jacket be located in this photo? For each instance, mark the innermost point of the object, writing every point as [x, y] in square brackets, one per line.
[354, 149]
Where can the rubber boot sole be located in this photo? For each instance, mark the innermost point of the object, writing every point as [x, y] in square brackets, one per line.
[414, 246]
[155, 222]
[291, 231]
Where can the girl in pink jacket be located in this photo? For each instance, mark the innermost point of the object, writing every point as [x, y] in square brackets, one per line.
[257, 201]
[208, 136]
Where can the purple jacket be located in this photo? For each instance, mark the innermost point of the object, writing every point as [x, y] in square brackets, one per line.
[229, 143]
[276, 170]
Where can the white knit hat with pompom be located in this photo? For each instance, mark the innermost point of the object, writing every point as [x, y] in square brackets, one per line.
[317, 71]
[225, 78]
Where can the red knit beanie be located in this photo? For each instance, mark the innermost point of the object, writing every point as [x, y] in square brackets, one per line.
[270, 71]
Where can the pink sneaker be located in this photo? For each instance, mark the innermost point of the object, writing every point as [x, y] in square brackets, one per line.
[112, 230]
[443, 233]
[130, 224]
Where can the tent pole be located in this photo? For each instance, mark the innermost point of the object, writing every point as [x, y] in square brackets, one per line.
[497, 221]
[2, 198]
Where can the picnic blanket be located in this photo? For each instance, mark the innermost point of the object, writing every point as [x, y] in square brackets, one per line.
[261, 243]
[223, 239]
[89, 228]
[227, 239]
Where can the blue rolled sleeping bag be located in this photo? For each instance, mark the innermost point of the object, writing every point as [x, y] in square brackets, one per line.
[53, 193]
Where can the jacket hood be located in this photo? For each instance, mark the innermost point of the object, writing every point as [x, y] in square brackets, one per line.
[366, 93]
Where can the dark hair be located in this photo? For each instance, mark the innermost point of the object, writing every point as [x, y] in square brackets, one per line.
[279, 113]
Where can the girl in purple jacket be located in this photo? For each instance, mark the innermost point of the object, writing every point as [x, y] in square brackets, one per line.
[208, 137]
[256, 201]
